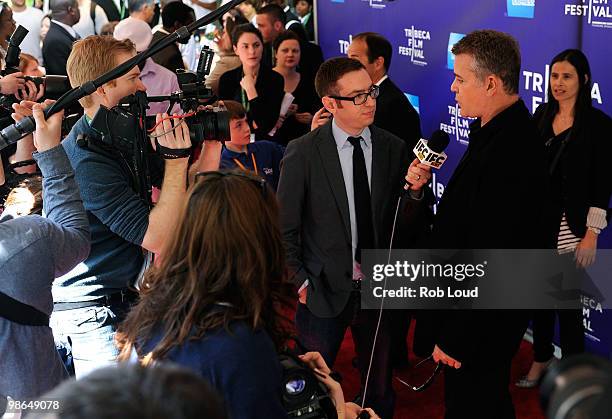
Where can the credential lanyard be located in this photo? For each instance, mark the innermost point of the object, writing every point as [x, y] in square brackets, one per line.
[239, 164]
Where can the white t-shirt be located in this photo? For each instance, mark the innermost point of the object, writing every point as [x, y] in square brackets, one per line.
[85, 26]
[30, 19]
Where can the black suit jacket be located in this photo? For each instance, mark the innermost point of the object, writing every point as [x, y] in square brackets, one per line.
[265, 108]
[492, 201]
[56, 49]
[315, 214]
[169, 57]
[583, 175]
[395, 114]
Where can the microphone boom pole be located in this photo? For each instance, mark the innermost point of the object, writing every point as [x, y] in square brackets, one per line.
[15, 132]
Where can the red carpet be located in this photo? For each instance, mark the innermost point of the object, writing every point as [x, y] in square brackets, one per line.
[429, 403]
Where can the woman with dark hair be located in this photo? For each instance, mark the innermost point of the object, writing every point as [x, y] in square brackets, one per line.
[214, 303]
[577, 138]
[306, 102]
[258, 88]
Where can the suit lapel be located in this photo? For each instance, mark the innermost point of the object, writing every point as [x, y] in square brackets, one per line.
[380, 176]
[331, 165]
[64, 31]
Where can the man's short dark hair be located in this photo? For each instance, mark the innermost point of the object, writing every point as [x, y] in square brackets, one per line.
[494, 53]
[331, 71]
[134, 392]
[378, 46]
[242, 29]
[275, 12]
[176, 11]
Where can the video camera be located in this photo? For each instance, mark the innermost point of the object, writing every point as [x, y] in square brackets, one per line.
[120, 125]
[55, 86]
[303, 395]
[578, 387]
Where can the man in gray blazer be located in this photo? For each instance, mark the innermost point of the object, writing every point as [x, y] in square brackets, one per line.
[336, 199]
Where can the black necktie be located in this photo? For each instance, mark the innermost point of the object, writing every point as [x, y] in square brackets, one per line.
[363, 203]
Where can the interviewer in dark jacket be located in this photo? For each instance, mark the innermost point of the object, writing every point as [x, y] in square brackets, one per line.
[490, 202]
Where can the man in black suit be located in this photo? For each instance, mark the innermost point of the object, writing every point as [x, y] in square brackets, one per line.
[175, 15]
[395, 114]
[393, 110]
[490, 202]
[58, 42]
[271, 21]
[338, 190]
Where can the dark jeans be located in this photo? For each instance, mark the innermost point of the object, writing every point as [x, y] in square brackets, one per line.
[571, 333]
[325, 335]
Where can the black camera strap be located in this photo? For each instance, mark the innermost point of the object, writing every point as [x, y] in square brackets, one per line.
[172, 153]
[21, 313]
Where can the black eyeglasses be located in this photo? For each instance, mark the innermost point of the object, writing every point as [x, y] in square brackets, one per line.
[429, 381]
[361, 98]
[260, 182]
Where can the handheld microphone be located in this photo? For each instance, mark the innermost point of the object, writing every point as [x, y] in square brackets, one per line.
[13, 51]
[431, 153]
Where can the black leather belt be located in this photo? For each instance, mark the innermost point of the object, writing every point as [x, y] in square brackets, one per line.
[118, 298]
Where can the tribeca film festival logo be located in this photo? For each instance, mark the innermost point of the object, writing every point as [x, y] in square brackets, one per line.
[415, 49]
[457, 126]
[520, 8]
[537, 84]
[590, 306]
[597, 12]
[344, 45]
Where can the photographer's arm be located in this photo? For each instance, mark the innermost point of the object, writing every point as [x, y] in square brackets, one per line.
[25, 146]
[209, 160]
[68, 234]
[162, 219]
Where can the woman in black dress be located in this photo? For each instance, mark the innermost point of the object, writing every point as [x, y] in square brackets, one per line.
[578, 143]
[297, 121]
[258, 88]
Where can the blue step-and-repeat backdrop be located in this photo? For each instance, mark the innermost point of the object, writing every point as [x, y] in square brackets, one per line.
[422, 33]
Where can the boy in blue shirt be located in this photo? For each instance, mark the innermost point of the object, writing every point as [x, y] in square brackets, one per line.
[261, 157]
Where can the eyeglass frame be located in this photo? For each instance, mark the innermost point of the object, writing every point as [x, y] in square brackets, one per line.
[261, 182]
[427, 382]
[373, 88]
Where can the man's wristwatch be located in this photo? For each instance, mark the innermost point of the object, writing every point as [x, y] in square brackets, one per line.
[594, 230]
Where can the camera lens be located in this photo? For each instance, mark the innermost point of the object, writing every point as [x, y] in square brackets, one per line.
[295, 386]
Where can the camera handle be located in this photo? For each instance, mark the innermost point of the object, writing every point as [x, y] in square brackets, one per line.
[15, 132]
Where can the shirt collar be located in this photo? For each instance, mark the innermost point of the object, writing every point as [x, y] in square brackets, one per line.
[70, 29]
[341, 136]
[148, 68]
[379, 82]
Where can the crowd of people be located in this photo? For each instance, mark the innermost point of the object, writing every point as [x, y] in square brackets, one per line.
[244, 245]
